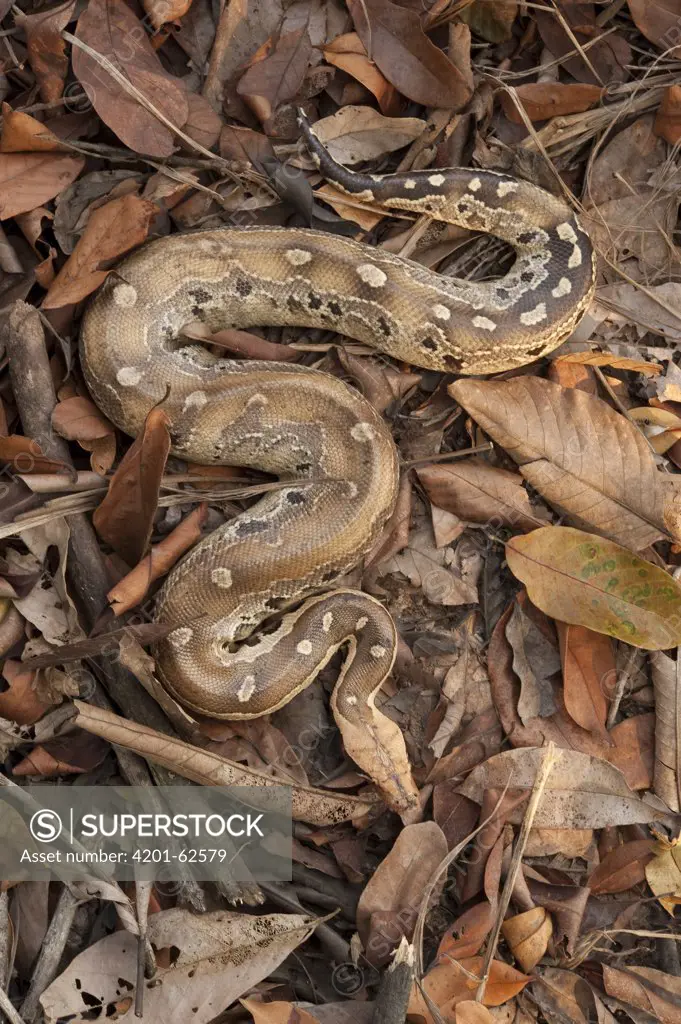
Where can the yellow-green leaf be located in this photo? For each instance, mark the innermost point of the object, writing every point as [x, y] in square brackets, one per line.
[590, 581]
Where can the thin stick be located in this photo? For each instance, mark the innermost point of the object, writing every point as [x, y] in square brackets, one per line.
[550, 758]
[47, 965]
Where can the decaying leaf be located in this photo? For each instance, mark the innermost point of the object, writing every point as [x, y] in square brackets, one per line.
[480, 493]
[454, 982]
[347, 52]
[111, 231]
[581, 791]
[663, 872]
[46, 48]
[28, 180]
[585, 459]
[623, 867]
[277, 76]
[361, 133]
[588, 662]
[587, 580]
[391, 900]
[667, 685]
[221, 955]
[528, 936]
[126, 515]
[395, 41]
[543, 100]
[111, 29]
[656, 993]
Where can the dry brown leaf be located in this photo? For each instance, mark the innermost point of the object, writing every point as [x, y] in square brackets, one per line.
[79, 419]
[479, 493]
[585, 459]
[491, 21]
[22, 133]
[46, 48]
[203, 125]
[126, 515]
[588, 662]
[623, 867]
[277, 1013]
[395, 42]
[581, 792]
[347, 53]
[162, 11]
[354, 134]
[668, 119]
[315, 806]
[25, 456]
[111, 28]
[586, 580]
[466, 936]
[20, 702]
[528, 936]
[220, 956]
[667, 684]
[391, 900]
[543, 100]
[28, 180]
[276, 78]
[658, 20]
[129, 591]
[607, 55]
[449, 984]
[535, 660]
[663, 872]
[111, 231]
[564, 996]
[648, 989]
[608, 359]
[470, 1012]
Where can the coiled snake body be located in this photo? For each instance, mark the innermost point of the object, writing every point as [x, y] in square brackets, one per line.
[320, 436]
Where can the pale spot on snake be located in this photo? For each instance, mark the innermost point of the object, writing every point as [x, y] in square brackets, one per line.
[436, 179]
[125, 295]
[362, 432]
[304, 647]
[196, 400]
[371, 275]
[534, 316]
[475, 184]
[245, 691]
[180, 637]
[377, 651]
[484, 323]
[128, 376]
[410, 183]
[327, 622]
[361, 623]
[564, 287]
[298, 257]
[221, 578]
[441, 312]
[505, 187]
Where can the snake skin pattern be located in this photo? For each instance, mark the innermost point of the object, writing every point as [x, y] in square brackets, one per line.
[333, 453]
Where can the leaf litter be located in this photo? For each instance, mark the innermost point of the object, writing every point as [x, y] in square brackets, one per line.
[532, 566]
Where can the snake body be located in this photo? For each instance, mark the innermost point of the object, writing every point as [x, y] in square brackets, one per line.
[332, 451]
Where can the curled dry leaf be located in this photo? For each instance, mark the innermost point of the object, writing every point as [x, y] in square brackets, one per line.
[162, 11]
[454, 982]
[588, 663]
[278, 1013]
[668, 119]
[354, 134]
[276, 78]
[46, 48]
[623, 867]
[79, 419]
[126, 515]
[347, 53]
[315, 806]
[663, 872]
[608, 359]
[479, 493]
[587, 580]
[129, 591]
[28, 180]
[656, 993]
[658, 20]
[667, 684]
[111, 29]
[585, 459]
[22, 133]
[220, 956]
[395, 42]
[581, 791]
[528, 936]
[392, 899]
[466, 936]
[543, 100]
[470, 1012]
[111, 231]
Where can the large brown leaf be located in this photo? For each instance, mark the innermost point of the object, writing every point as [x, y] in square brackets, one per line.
[28, 180]
[396, 43]
[658, 20]
[666, 681]
[581, 791]
[656, 993]
[480, 493]
[276, 79]
[588, 461]
[46, 48]
[110, 28]
[112, 229]
[587, 580]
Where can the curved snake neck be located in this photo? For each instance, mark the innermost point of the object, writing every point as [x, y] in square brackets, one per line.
[332, 451]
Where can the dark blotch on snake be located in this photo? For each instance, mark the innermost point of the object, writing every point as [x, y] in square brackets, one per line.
[334, 307]
[429, 344]
[295, 498]
[251, 526]
[243, 287]
[314, 300]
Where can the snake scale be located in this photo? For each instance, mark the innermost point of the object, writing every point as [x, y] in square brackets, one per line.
[333, 453]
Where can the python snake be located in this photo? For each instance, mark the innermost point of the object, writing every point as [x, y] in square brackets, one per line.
[332, 451]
